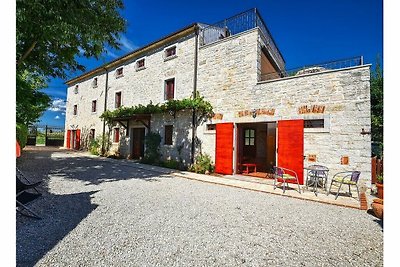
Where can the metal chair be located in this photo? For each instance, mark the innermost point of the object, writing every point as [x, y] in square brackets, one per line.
[285, 175]
[23, 196]
[347, 178]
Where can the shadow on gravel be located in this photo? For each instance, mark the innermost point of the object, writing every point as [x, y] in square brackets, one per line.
[60, 215]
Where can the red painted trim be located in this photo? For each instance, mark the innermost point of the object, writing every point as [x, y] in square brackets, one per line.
[224, 148]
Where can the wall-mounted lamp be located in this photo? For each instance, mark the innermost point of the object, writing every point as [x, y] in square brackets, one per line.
[254, 112]
[363, 132]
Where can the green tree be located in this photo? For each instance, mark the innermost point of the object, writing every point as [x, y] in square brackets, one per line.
[377, 107]
[50, 33]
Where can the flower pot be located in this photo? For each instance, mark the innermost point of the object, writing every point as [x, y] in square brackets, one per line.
[379, 187]
[377, 208]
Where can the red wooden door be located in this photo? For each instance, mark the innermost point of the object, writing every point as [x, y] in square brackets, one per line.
[224, 148]
[68, 138]
[291, 146]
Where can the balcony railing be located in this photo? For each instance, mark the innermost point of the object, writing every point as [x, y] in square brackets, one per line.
[326, 66]
[247, 20]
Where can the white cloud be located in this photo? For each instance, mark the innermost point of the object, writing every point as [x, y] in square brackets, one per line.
[63, 113]
[57, 117]
[127, 45]
[58, 104]
[111, 54]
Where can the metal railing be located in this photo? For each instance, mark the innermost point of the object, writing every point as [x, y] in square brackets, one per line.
[332, 65]
[247, 20]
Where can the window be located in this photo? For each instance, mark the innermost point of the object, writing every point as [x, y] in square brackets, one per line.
[94, 105]
[94, 83]
[91, 134]
[140, 64]
[211, 127]
[75, 109]
[119, 72]
[169, 89]
[168, 135]
[318, 123]
[116, 135]
[117, 99]
[249, 137]
[76, 89]
[171, 51]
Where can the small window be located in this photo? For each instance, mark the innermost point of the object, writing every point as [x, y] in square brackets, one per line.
[91, 134]
[94, 83]
[75, 109]
[140, 64]
[211, 127]
[169, 89]
[171, 51]
[119, 72]
[249, 137]
[76, 89]
[116, 135]
[117, 99]
[168, 135]
[94, 106]
[318, 123]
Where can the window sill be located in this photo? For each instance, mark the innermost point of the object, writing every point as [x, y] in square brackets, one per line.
[316, 130]
[170, 57]
[141, 68]
[94, 112]
[119, 76]
[95, 86]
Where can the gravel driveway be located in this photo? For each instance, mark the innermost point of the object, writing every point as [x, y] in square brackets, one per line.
[99, 213]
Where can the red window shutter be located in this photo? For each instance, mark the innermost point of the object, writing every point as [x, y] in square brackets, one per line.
[224, 148]
[116, 135]
[68, 138]
[291, 146]
[169, 89]
[78, 139]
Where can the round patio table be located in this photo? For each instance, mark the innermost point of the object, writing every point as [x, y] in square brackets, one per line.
[316, 175]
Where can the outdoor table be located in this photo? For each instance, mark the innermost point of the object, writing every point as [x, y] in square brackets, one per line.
[316, 174]
[249, 165]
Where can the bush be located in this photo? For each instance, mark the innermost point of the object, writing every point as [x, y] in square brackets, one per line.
[21, 134]
[171, 164]
[95, 145]
[203, 164]
[152, 142]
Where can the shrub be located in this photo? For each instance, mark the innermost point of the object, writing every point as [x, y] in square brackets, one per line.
[203, 164]
[95, 145]
[21, 134]
[171, 164]
[379, 179]
[152, 142]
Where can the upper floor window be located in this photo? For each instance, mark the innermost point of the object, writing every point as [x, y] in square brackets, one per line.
[94, 83]
[168, 134]
[249, 137]
[94, 106]
[140, 64]
[117, 99]
[169, 89]
[119, 72]
[116, 135]
[76, 89]
[75, 109]
[170, 52]
[317, 123]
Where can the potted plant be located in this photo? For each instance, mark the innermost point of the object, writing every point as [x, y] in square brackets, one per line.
[379, 185]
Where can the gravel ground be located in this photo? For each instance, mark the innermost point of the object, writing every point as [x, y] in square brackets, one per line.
[99, 213]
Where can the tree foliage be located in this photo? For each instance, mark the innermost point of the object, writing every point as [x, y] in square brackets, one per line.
[377, 105]
[50, 33]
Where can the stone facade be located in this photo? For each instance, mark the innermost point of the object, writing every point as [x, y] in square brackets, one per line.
[229, 76]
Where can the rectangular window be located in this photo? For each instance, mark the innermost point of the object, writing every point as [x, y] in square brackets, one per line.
[91, 134]
[169, 52]
[169, 89]
[318, 123]
[168, 135]
[94, 106]
[119, 72]
[76, 89]
[94, 83]
[211, 127]
[116, 135]
[249, 137]
[140, 64]
[117, 99]
[75, 109]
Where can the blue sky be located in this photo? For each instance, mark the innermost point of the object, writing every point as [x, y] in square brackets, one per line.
[306, 32]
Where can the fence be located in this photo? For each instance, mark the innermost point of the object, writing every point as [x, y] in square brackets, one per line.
[46, 135]
[376, 168]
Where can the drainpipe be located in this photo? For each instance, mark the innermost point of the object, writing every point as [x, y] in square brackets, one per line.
[105, 108]
[194, 122]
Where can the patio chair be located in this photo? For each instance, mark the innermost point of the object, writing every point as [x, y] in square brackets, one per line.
[345, 178]
[285, 175]
[23, 196]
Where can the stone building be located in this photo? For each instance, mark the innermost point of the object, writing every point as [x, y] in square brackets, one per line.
[264, 114]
